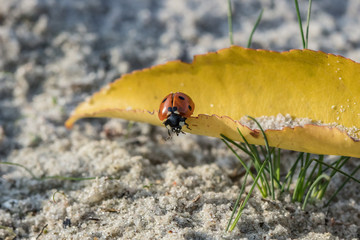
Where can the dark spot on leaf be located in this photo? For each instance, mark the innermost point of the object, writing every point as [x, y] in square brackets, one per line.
[255, 134]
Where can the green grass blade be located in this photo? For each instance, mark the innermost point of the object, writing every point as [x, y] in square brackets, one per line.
[230, 23]
[242, 190]
[57, 192]
[308, 24]
[242, 162]
[254, 156]
[244, 165]
[311, 176]
[291, 173]
[254, 28]
[316, 182]
[335, 163]
[277, 164]
[272, 190]
[53, 177]
[341, 186]
[242, 147]
[303, 188]
[298, 186]
[257, 163]
[248, 145]
[299, 190]
[19, 165]
[321, 171]
[248, 196]
[237, 156]
[338, 165]
[68, 178]
[338, 170]
[300, 23]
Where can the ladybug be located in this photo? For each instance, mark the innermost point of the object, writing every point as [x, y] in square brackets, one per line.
[175, 108]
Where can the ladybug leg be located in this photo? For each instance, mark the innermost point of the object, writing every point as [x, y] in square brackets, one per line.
[166, 123]
[187, 125]
[169, 133]
[168, 137]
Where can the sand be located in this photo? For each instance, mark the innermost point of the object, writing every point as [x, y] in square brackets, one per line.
[54, 54]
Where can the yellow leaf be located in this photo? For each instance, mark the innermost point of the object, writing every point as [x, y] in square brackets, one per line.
[235, 82]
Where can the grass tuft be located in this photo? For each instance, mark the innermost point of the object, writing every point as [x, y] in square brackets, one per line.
[310, 173]
[263, 169]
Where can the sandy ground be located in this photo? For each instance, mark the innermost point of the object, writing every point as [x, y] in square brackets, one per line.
[53, 54]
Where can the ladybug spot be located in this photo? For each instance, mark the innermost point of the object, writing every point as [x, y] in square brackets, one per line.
[181, 98]
[170, 109]
[189, 107]
[174, 109]
[164, 100]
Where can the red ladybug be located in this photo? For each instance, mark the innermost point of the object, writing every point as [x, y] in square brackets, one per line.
[175, 108]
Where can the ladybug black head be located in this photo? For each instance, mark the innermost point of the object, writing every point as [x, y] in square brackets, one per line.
[175, 122]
